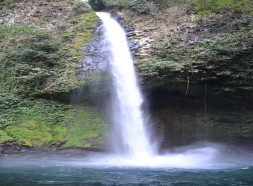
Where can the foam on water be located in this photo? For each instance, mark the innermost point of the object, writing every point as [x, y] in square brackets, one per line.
[204, 156]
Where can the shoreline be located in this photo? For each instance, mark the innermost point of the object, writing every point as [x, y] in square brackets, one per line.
[14, 149]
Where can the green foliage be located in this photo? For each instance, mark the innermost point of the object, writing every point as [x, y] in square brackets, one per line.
[146, 6]
[34, 61]
[72, 51]
[216, 6]
[40, 122]
[9, 2]
[86, 127]
[231, 53]
[27, 58]
[4, 137]
[30, 133]
[8, 100]
[37, 61]
[34, 46]
[163, 68]
[22, 110]
[8, 30]
[29, 122]
[142, 6]
[119, 3]
[79, 7]
[68, 35]
[97, 4]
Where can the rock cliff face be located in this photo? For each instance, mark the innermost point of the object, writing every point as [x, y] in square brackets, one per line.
[179, 47]
[195, 70]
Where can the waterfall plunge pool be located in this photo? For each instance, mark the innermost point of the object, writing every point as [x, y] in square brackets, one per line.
[73, 176]
[188, 166]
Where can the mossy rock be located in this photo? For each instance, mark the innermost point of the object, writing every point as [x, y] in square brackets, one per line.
[86, 128]
[4, 137]
[37, 123]
[39, 61]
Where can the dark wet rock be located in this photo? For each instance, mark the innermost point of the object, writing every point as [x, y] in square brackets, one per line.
[134, 44]
[11, 147]
[94, 58]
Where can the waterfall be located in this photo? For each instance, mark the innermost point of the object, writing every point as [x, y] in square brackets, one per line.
[131, 137]
[131, 141]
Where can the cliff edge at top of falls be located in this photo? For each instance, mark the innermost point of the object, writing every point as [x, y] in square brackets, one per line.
[187, 46]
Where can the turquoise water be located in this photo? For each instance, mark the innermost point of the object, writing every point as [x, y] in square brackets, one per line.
[123, 176]
[191, 166]
[44, 169]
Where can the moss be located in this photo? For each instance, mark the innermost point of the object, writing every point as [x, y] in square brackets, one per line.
[30, 133]
[59, 135]
[83, 36]
[37, 123]
[36, 60]
[4, 137]
[86, 128]
[73, 50]
[214, 6]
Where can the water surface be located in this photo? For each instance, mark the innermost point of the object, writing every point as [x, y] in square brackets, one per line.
[185, 167]
[68, 175]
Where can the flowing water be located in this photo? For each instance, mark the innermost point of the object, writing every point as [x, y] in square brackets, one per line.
[134, 160]
[129, 124]
[26, 170]
[59, 176]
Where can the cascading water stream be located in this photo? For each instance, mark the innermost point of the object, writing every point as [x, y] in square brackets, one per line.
[133, 139]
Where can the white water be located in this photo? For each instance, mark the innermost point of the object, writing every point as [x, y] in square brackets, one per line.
[132, 139]
[131, 142]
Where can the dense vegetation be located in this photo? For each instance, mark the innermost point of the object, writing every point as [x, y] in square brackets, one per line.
[217, 6]
[42, 60]
[153, 6]
[40, 57]
[38, 122]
